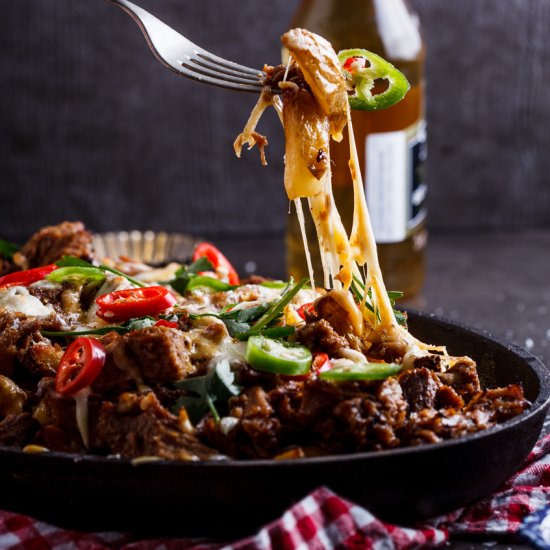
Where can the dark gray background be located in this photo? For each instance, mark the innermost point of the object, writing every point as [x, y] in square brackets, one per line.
[93, 128]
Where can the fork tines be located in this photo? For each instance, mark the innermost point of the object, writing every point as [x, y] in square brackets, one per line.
[181, 55]
[211, 69]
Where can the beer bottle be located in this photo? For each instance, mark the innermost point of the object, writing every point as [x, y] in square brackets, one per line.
[391, 143]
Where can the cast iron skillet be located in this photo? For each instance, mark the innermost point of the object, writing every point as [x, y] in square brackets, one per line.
[228, 499]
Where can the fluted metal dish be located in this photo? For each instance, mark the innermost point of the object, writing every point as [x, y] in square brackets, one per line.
[151, 247]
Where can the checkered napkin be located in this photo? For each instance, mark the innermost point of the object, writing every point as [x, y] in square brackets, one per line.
[322, 521]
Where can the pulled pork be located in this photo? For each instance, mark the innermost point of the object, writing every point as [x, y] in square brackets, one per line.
[144, 401]
[52, 243]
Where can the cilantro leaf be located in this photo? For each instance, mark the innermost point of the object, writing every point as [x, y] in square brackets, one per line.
[202, 264]
[204, 391]
[7, 249]
[238, 321]
[137, 323]
[243, 322]
[209, 283]
[73, 261]
[250, 314]
[184, 274]
[235, 327]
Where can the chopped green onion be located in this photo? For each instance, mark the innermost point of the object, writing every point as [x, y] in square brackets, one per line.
[275, 332]
[279, 306]
[274, 284]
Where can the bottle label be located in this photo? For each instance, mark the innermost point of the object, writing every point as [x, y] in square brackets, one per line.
[395, 182]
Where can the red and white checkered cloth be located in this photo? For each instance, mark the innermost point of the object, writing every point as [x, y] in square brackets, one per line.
[322, 521]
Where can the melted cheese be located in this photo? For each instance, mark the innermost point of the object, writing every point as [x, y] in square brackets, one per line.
[81, 406]
[309, 120]
[18, 299]
[302, 224]
[342, 256]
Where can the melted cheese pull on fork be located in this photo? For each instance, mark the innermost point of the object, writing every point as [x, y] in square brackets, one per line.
[322, 71]
[312, 113]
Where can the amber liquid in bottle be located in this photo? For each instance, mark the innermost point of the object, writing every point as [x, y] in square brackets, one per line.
[359, 24]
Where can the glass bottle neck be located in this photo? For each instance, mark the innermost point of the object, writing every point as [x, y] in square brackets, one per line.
[388, 27]
[399, 29]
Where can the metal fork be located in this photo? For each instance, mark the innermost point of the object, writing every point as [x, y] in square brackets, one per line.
[184, 57]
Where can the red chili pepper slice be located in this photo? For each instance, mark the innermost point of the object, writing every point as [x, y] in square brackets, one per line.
[320, 363]
[122, 305]
[351, 60]
[80, 365]
[218, 260]
[165, 323]
[305, 309]
[25, 278]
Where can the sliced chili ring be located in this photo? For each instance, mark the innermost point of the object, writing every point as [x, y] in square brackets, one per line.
[320, 363]
[277, 356]
[80, 365]
[76, 275]
[360, 371]
[362, 70]
[218, 260]
[27, 277]
[306, 309]
[165, 323]
[122, 305]
[350, 61]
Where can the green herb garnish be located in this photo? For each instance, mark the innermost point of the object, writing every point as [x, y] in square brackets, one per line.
[123, 328]
[205, 391]
[244, 322]
[358, 290]
[185, 273]
[7, 249]
[274, 332]
[238, 321]
[274, 284]
[276, 310]
[208, 283]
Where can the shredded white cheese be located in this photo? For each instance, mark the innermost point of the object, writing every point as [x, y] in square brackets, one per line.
[81, 402]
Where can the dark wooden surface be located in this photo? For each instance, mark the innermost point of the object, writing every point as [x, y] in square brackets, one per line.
[92, 127]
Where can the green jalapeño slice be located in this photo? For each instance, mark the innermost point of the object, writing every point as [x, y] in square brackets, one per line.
[277, 356]
[76, 275]
[360, 371]
[364, 71]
